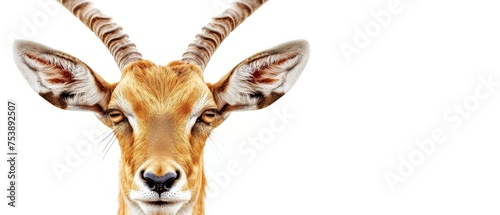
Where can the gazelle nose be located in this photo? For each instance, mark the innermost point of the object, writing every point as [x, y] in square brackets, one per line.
[160, 183]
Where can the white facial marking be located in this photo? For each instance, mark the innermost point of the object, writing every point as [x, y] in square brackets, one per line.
[198, 109]
[126, 108]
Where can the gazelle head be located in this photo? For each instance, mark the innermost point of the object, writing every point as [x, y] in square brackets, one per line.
[161, 114]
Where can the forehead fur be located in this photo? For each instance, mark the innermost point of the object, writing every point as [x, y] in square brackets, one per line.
[153, 89]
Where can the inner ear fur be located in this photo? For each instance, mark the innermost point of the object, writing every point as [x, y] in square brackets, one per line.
[261, 79]
[61, 79]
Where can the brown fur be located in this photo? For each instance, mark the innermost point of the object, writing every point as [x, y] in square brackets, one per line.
[162, 98]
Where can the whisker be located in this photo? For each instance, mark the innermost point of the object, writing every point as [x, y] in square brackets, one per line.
[113, 140]
[107, 136]
[217, 151]
[220, 138]
[104, 134]
[108, 146]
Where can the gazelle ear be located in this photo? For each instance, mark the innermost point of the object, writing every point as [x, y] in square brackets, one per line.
[261, 79]
[61, 79]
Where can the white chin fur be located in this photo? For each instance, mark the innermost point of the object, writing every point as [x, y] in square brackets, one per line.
[149, 202]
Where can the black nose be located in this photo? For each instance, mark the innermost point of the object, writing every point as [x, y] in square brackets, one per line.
[160, 183]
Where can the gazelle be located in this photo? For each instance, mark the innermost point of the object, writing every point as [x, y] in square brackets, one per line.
[161, 115]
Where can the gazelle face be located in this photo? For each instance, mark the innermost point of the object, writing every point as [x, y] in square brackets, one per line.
[161, 115]
[162, 142]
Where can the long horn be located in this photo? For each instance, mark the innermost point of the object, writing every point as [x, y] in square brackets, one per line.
[212, 35]
[110, 33]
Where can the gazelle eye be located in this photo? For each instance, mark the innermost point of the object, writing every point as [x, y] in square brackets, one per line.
[208, 116]
[116, 116]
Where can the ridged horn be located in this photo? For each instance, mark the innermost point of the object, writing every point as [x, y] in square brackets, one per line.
[110, 33]
[201, 50]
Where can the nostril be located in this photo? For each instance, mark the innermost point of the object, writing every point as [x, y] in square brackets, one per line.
[160, 183]
[178, 174]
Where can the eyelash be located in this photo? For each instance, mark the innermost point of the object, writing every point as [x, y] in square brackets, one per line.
[115, 116]
[208, 116]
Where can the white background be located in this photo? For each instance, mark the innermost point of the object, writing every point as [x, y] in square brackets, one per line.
[351, 124]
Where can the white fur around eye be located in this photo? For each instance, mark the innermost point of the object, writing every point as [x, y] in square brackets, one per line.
[198, 109]
[121, 102]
